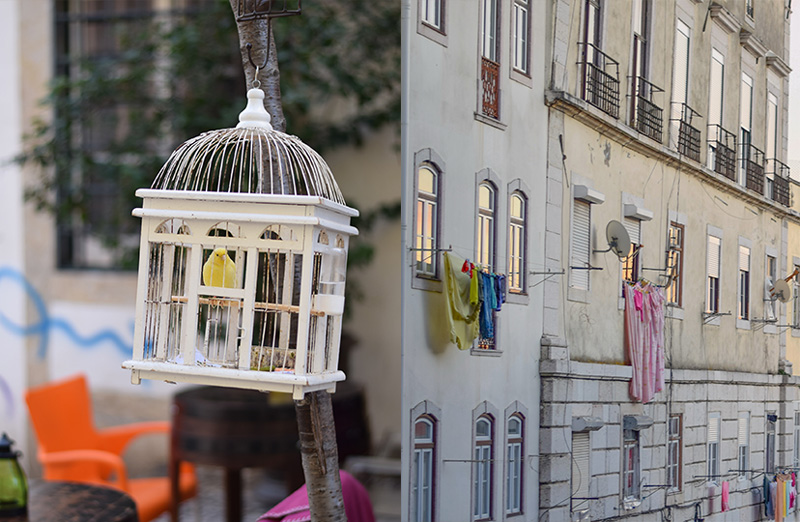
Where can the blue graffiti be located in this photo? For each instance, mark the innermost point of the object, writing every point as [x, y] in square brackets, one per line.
[45, 323]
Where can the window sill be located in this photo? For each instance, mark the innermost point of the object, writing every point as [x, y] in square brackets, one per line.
[742, 324]
[517, 298]
[426, 283]
[770, 329]
[578, 294]
[431, 33]
[674, 312]
[480, 352]
[490, 121]
[795, 332]
[521, 77]
[711, 322]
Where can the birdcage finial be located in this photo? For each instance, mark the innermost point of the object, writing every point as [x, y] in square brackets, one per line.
[254, 115]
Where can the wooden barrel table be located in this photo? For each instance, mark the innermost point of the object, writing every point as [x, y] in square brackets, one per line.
[75, 502]
[239, 429]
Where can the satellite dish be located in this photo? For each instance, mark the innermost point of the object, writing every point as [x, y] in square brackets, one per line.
[781, 291]
[618, 239]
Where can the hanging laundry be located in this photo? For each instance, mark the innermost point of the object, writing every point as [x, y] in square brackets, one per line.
[462, 310]
[644, 339]
[773, 493]
[500, 289]
[725, 495]
[488, 304]
[765, 492]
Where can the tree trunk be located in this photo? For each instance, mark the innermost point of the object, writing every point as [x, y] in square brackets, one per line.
[320, 457]
[255, 32]
[315, 424]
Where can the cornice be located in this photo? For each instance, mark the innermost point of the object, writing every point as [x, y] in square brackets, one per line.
[775, 63]
[724, 18]
[750, 42]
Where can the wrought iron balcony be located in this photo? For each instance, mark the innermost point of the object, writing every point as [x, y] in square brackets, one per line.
[722, 151]
[778, 178]
[688, 136]
[646, 116]
[753, 167]
[600, 79]
[490, 87]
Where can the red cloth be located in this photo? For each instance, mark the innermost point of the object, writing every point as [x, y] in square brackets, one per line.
[725, 495]
[294, 508]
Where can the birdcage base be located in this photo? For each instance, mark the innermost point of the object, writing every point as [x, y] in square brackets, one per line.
[297, 385]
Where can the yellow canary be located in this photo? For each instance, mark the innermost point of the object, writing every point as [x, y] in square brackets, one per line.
[219, 270]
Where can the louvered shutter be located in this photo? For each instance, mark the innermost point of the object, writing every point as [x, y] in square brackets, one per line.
[714, 244]
[744, 431]
[580, 470]
[634, 228]
[581, 226]
[744, 258]
[713, 429]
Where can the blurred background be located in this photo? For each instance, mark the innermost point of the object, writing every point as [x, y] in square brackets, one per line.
[95, 95]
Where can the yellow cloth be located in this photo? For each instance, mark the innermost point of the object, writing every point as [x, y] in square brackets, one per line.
[462, 313]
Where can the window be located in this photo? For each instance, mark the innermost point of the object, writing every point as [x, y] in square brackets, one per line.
[592, 26]
[486, 224]
[521, 37]
[744, 443]
[745, 121]
[796, 437]
[579, 501]
[516, 244]
[771, 270]
[674, 452]
[641, 37]
[422, 486]
[680, 80]
[748, 8]
[716, 84]
[630, 266]
[490, 58]
[713, 270]
[482, 470]
[431, 13]
[580, 243]
[771, 151]
[630, 466]
[744, 283]
[675, 264]
[515, 455]
[796, 301]
[426, 231]
[712, 448]
[769, 457]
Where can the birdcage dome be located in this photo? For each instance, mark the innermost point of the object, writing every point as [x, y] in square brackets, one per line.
[251, 158]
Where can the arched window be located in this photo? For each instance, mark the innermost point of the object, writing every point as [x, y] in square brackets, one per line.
[426, 226]
[514, 455]
[516, 243]
[482, 469]
[422, 484]
[486, 225]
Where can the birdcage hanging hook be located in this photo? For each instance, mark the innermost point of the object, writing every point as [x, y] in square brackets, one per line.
[260, 9]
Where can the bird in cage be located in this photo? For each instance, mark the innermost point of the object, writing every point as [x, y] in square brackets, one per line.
[219, 269]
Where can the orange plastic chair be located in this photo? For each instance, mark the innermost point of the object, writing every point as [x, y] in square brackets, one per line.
[71, 448]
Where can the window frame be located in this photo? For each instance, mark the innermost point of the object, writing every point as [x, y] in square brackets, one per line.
[770, 277]
[492, 45]
[713, 283]
[521, 74]
[631, 467]
[427, 199]
[486, 218]
[631, 266]
[428, 157]
[429, 410]
[420, 448]
[679, 94]
[585, 244]
[770, 439]
[676, 286]
[516, 223]
[796, 439]
[713, 448]
[515, 484]
[743, 444]
[675, 447]
[580, 505]
[744, 308]
[483, 470]
[430, 30]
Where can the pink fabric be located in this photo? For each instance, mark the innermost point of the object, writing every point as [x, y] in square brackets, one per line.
[725, 494]
[644, 338]
[294, 508]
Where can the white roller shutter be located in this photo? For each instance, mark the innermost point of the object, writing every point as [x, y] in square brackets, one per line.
[580, 243]
[744, 430]
[715, 88]
[714, 244]
[744, 258]
[713, 429]
[634, 228]
[580, 470]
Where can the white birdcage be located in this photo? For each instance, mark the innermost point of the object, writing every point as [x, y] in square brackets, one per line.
[242, 263]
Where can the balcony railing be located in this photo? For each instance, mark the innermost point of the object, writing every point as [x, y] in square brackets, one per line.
[753, 167]
[490, 86]
[778, 178]
[646, 116]
[600, 79]
[722, 151]
[688, 136]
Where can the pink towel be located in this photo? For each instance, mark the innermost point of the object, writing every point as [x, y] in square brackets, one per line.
[725, 495]
[294, 508]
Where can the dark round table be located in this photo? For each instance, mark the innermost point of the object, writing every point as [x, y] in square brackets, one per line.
[75, 502]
